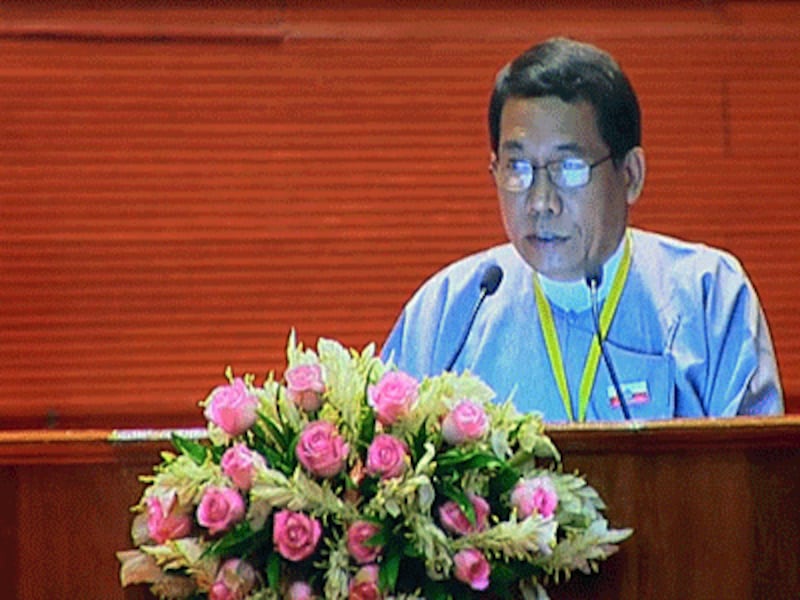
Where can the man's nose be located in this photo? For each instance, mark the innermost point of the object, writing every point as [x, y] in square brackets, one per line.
[543, 195]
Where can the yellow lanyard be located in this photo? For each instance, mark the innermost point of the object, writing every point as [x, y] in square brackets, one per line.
[593, 357]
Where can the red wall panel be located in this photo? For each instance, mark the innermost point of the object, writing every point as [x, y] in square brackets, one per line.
[181, 186]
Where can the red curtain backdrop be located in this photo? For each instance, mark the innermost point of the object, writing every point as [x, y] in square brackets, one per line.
[181, 185]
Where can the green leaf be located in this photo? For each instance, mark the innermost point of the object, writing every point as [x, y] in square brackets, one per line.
[418, 443]
[280, 453]
[241, 540]
[506, 576]
[369, 486]
[382, 538]
[460, 460]
[241, 534]
[273, 569]
[259, 434]
[435, 590]
[390, 569]
[281, 437]
[366, 429]
[503, 481]
[194, 450]
[457, 495]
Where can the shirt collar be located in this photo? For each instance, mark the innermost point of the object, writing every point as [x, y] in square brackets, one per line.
[574, 295]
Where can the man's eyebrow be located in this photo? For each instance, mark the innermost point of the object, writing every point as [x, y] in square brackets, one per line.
[572, 147]
[565, 147]
[512, 145]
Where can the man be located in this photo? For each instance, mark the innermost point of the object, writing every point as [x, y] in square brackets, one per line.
[684, 330]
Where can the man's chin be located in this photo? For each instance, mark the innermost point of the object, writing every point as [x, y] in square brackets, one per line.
[549, 266]
[559, 272]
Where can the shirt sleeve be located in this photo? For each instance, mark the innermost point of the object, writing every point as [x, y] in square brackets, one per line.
[427, 333]
[414, 341]
[742, 376]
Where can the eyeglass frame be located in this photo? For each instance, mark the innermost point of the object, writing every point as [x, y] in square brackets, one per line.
[494, 168]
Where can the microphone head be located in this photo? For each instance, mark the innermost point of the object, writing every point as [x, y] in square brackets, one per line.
[491, 279]
[594, 276]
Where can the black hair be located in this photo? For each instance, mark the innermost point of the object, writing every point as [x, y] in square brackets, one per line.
[572, 71]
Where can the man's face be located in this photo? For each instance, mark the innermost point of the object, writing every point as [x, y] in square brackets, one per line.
[561, 232]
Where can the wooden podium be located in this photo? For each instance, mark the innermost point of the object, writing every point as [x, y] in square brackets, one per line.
[715, 505]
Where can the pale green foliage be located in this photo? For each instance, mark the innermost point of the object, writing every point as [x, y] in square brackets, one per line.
[336, 570]
[578, 502]
[289, 413]
[532, 439]
[345, 385]
[296, 354]
[410, 494]
[273, 488]
[435, 546]
[173, 587]
[300, 493]
[531, 590]
[217, 436]
[319, 499]
[185, 554]
[263, 594]
[516, 447]
[268, 397]
[257, 513]
[584, 549]
[521, 540]
[186, 477]
[504, 417]
[437, 396]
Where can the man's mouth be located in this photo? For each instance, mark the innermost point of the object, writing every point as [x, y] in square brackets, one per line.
[547, 238]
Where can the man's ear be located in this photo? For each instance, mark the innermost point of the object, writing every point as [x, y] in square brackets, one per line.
[635, 169]
[492, 161]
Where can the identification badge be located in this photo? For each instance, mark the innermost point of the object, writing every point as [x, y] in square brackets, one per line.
[635, 392]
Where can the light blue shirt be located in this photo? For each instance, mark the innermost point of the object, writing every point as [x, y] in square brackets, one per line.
[689, 337]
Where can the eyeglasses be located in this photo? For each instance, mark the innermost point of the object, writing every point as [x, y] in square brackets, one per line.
[518, 175]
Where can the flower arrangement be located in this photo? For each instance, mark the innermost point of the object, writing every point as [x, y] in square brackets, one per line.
[350, 479]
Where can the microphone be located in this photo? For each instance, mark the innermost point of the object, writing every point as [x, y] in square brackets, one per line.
[490, 281]
[594, 277]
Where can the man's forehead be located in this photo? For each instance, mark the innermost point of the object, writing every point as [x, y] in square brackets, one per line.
[561, 126]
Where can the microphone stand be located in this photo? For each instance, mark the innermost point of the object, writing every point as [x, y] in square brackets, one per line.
[468, 328]
[593, 282]
[488, 285]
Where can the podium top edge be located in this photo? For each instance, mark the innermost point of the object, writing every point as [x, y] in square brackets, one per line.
[101, 445]
[675, 434]
[765, 426]
[733, 424]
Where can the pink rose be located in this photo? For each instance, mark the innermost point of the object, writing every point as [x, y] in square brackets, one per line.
[454, 520]
[295, 535]
[472, 568]
[165, 519]
[304, 386]
[234, 581]
[534, 496]
[300, 590]
[232, 407]
[393, 396]
[364, 584]
[466, 422]
[321, 450]
[240, 464]
[358, 534]
[220, 508]
[386, 456]
[219, 591]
